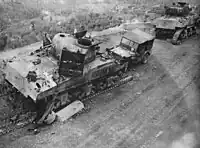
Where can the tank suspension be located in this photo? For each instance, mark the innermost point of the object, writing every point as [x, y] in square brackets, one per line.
[121, 82]
[182, 34]
[98, 87]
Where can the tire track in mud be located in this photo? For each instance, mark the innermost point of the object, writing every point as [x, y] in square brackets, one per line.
[183, 62]
[152, 115]
[185, 66]
[106, 116]
[191, 73]
[135, 111]
[135, 103]
[171, 58]
[185, 80]
[163, 113]
[105, 98]
[151, 85]
[151, 140]
[105, 125]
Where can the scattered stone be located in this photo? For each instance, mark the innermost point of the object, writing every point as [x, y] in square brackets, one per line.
[14, 118]
[21, 123]
[154, 68]
[139, 93]
[184, 54]
[1, 131]
[137, 75]
[159, 134]
[168, 40]
[36, 131]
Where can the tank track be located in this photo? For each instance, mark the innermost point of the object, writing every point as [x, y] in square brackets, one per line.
[183, 34]
[178, 36]
[123, 80]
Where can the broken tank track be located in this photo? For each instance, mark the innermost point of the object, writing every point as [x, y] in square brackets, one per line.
[182, 34]
[176, 36]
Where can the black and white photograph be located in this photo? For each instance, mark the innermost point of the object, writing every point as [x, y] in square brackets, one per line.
[99, 74]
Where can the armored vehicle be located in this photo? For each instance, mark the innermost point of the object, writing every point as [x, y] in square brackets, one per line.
[71, 70]
[177, 24]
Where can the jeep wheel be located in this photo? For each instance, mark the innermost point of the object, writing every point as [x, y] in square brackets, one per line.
[145, 58]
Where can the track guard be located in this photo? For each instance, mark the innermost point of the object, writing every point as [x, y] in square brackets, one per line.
[70, 110]
[50, 118]
[175, 39]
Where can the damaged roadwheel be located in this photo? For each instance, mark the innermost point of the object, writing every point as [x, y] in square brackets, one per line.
[50, 118]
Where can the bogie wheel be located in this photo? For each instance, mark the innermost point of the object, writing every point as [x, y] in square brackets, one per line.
[178, 42]
[145, 58]
[194, 30]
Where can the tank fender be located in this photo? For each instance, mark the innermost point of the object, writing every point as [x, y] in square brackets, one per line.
[70, 110]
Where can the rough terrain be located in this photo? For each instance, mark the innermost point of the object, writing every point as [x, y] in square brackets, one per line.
[159, 109]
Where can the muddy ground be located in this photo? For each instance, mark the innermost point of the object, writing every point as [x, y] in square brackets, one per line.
[158, 109]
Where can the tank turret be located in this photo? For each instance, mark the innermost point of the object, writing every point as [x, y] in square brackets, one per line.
[178, 9]
[60, 41]
[73, 52]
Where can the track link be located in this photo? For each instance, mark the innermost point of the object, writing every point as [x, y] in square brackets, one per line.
[121, 82]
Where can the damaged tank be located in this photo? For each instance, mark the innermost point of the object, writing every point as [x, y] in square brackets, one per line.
[71, 70]
[178, 23]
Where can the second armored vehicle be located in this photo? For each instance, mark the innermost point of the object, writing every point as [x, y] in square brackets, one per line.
[177, 24]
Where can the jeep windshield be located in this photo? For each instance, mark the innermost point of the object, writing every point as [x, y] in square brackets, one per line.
[126, 43]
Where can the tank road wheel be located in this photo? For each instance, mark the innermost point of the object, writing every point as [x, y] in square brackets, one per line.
[82, 95]
[158, 33]
[183, 35]
[190, 32]
[145, 58]
[101, 85]
[110, 81]
[194, 30]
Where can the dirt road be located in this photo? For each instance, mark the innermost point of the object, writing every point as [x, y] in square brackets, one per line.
[151, 111]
